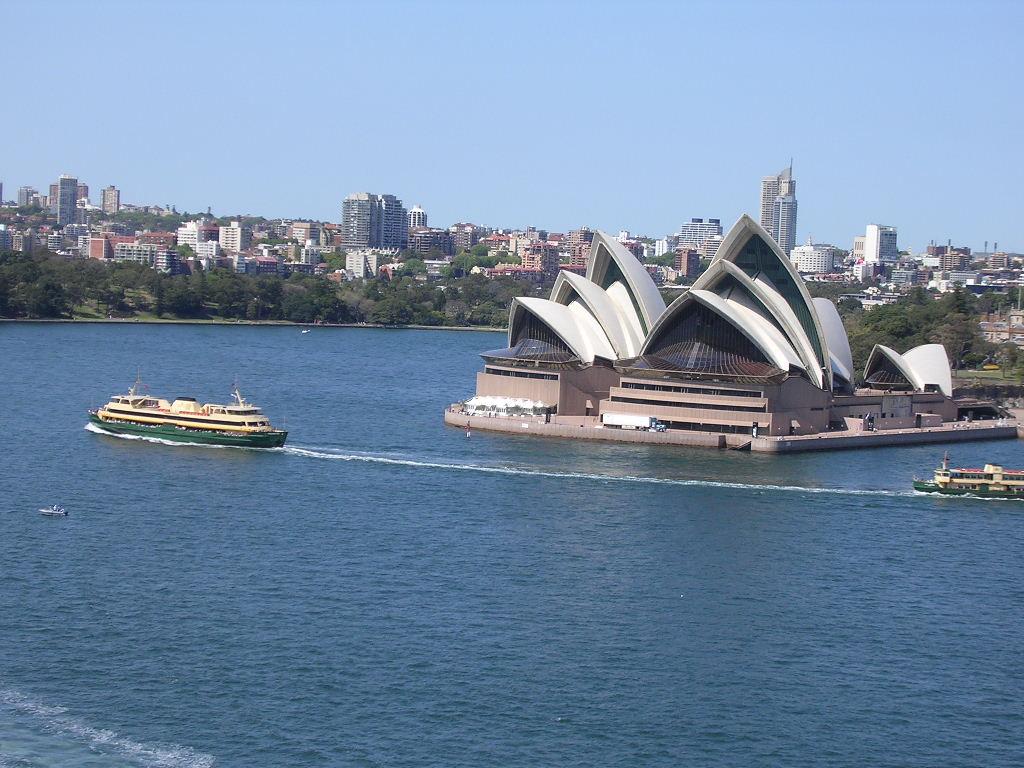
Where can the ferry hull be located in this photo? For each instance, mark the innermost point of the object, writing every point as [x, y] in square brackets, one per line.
[273, 439]
[927, 487]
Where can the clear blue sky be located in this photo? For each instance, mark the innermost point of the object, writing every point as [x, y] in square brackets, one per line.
[626, 115]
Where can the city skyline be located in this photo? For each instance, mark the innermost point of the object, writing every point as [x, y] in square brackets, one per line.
[650, 163]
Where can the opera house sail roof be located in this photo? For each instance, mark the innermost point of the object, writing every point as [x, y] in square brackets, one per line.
[748, 317]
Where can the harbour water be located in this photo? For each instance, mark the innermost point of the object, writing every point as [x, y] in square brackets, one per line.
[385, 591]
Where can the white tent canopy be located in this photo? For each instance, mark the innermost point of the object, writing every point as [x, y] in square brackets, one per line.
[493, 404]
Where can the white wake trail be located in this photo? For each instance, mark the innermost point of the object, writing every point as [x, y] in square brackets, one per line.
[57, 720]
[517, 471]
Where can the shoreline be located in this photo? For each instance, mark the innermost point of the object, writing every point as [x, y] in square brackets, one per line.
[286, 323]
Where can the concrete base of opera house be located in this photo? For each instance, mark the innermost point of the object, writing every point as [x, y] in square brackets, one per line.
[589, 428]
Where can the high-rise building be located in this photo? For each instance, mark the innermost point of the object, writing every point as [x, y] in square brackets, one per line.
[778, 207]
[235, 238]
[51, 200]
[696, 232]
[880, 245]
[417, 217]
[111, 199]
[25, 195]
[67, 200]
[82, 192]
[374, 221]
[1, 193]
[784, 222]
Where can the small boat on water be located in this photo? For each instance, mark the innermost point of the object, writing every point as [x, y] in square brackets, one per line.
[989, 482]
[240, 424]
[54, 510]
[306, 330]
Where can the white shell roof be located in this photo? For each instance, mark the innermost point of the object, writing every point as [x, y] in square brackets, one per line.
[639, 285]
[835, 336]
[930, 364]
[621, 333]
[921, 366]
[577, 328]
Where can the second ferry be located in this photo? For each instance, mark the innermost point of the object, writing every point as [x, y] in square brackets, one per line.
[239, 424]
[988, 482]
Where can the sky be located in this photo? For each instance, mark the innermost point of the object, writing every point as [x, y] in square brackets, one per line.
[618, 115]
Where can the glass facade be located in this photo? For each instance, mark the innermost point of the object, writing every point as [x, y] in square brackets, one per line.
[885, 375]
[700, 341]
[533, 341]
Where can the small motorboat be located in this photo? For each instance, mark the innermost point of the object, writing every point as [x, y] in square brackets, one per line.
[54, 510]
[306, 330]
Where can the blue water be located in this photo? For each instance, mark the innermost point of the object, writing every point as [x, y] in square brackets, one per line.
[387, 592]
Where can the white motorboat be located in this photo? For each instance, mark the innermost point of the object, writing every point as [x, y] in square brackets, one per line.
[306, 330]
[54, 510]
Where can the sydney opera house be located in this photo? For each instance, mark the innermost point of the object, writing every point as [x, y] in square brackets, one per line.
[744, 353]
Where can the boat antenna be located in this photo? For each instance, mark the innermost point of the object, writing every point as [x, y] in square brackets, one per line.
[945, 460]
[138, 385]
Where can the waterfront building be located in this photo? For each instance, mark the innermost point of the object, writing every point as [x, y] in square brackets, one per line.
[744, 353]
[814, 258]
[111, 199]
[880, 245]
[374, 221]
[66, 203]
[417, 217]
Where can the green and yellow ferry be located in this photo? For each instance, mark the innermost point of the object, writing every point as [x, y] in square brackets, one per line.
[991, 482]
[239, 424]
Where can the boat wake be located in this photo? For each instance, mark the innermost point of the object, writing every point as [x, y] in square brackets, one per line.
[526, 472]
[56, 720]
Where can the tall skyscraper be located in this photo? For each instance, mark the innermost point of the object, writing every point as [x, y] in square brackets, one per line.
[417, 217]
[111, 199]
[67, 200]
[880, 245]
[374, 221]
[778, 207]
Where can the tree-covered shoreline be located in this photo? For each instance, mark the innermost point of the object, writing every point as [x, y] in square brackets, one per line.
[46, 286]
